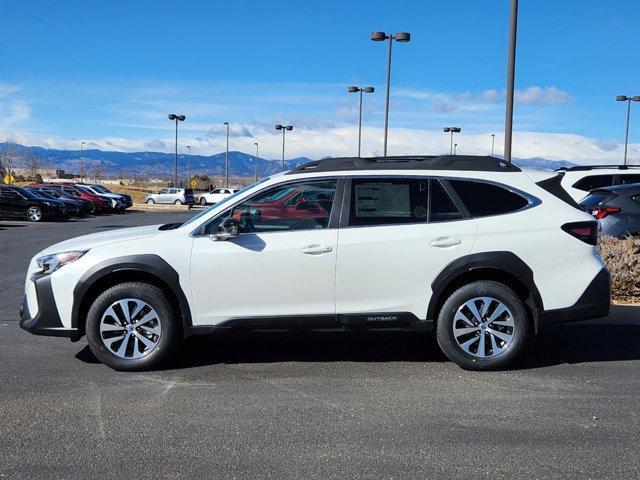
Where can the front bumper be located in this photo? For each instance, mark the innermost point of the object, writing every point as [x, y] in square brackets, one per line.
[47, 320]
[593, 303]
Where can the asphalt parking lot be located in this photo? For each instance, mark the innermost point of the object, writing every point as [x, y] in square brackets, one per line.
[322, 406]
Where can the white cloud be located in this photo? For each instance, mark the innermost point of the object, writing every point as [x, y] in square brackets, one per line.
[341, 141]
[542, 96]
[12, 110]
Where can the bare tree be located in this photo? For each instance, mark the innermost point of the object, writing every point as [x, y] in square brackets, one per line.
[32, 164]
[98, 171]
[8, 155]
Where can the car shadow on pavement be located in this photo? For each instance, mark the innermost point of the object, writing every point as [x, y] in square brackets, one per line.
[611, 339]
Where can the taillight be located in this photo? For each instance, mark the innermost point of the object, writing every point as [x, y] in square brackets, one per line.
[602, 212]
[585, 231]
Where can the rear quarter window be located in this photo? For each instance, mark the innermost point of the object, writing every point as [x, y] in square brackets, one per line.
[593, 181]
[483, 199]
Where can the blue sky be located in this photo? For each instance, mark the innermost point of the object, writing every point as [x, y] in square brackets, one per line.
[109, 72]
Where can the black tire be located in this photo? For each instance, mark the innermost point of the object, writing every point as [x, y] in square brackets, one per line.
[150, 201]
[34, 214]
[203, 201]
[171, 330]
[470, 361]
[178, 202]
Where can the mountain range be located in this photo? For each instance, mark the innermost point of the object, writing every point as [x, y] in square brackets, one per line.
[145, 163]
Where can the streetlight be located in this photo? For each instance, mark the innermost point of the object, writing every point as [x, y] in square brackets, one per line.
[256, 165]
[455, 148]
[451, 130]
[81, 162]
[177, 118]
[380, 37]
[360, 90]
[625, 98]
[493, 142]
[226, 158]
[511, 76]
[284, 128]
[189, 163]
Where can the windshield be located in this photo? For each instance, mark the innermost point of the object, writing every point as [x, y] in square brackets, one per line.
[224, 201]
[42, 194]
[84, 189]
[100, 188]
[27, 193]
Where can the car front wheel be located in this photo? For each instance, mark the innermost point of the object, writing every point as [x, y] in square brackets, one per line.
[483, 326]
[131, 326]
[150, 201]
[203, 201]
[34, 214]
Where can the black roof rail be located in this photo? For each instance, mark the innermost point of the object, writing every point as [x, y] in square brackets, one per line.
[408, 162]
[581, 168]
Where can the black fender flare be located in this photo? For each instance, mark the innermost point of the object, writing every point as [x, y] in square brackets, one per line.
[149, 264]
[501, 261]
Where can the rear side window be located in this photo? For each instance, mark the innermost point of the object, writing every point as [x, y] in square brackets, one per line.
[484, 199]
[391, 201]
[593, 181]
[629, 178]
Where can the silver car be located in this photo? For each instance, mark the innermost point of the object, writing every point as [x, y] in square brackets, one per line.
[176, 196]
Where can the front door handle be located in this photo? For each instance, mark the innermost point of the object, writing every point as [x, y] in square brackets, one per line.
[444, 242]
[316, 249]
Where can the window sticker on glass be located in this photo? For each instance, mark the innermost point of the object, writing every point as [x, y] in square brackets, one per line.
[383, 200]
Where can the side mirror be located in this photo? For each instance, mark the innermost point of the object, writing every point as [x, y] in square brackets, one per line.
[229, 228]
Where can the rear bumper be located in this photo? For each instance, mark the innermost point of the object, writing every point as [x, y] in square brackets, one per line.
[594, 303]
[47, 320]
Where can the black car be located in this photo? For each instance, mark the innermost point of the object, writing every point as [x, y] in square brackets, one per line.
[86, 207]
[73, 209]
[22, 204]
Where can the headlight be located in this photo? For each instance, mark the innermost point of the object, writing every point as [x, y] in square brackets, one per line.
[50, 263]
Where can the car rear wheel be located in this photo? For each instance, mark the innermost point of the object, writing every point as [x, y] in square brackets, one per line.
[150, 201]
[203, 201]
[131, 326]
[483, 326]
[34, 214]
[178, 202]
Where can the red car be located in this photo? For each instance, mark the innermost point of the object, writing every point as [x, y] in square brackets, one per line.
[100, 203]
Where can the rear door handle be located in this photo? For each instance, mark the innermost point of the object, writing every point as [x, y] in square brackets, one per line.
[316, 249]
[444, 242]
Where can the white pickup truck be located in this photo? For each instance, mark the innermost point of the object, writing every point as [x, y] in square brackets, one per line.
[215, 195]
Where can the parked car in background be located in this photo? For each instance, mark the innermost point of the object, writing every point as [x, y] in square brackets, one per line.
[18, 203]
[215, 195]
[86, 206]
[127, 201]
[117, 200]
[176, 196]
[579, 181]
[101, 204]
[617, 208]
[469, 247]
[72, 208]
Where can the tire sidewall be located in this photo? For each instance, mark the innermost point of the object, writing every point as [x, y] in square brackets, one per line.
[177, 202]
[169, 338]
[33, 207]
[509, 298]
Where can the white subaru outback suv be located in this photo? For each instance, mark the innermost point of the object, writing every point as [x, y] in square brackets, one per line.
[580, 180]
[467, 246]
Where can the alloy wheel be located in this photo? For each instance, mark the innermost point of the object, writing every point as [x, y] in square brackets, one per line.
[130, 328]
[34, 214]
[483, 327]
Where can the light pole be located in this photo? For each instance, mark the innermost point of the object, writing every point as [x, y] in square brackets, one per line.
[177, 118]
[625, 98]
[451, 130]
[361, 91]
[511, 76]
[284, 128]
[256, 163]
[82, 162]
[455, 148]
[226, 159]
[189, 163]
[379, 37]
[493, 142]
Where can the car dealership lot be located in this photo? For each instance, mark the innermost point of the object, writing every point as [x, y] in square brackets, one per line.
[311, 406]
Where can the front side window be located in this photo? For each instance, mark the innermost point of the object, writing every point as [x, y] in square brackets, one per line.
[593, 181]
[483, 199]
[269, 211]
[391, 201]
